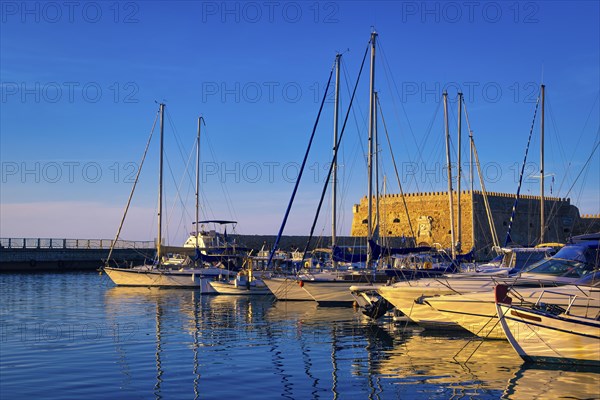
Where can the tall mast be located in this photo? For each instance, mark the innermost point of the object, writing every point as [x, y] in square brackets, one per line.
[471, 176]
[334, 170]
[370, 155]
[450, 197]
[542, 219]
[160, 183]
[376, 151]
[459, 174]
[200, 121]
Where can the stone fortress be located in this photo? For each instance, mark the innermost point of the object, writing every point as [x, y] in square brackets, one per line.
[430, 219]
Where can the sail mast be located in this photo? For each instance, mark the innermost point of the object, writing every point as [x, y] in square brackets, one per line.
[450, 197]
[160, 184]
[370, 155]
[542, 219]
[334, 166]
[459, 173]
[376, 154]
[376, 150]
[200, 121]
[471, 177]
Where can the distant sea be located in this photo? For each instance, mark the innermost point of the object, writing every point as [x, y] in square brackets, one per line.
[77, 336]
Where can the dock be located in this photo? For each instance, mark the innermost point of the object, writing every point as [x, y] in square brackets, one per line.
[48, 254]
[62, 255]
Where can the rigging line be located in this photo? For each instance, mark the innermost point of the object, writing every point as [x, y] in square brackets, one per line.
[425, 139]
[420, 146]
[348, 183]
[226, 195]
[593, 109]
[178, 191]
[412, 232]
[568, 165]
[137, 176]
[492, 226]
[583, 168]
[557, 140]
[508, 239]
[289, 207]
[362, 117]
[176, 137]
[386, 63]
[177, 196]
[186, 172]
[335, 153]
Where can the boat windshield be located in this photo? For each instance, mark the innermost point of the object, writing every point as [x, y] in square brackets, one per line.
[561, 267]
[521, 259]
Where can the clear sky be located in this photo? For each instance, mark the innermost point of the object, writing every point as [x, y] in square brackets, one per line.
[80, 82]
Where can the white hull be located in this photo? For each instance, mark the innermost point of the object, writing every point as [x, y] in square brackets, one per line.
[329, 291]
[230, 288]
[365, 295]
[287, 289]
[189, 278]
[539, 337]
[476, 312]
[405, 297]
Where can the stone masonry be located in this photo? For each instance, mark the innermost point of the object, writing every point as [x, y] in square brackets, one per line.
[430, 219]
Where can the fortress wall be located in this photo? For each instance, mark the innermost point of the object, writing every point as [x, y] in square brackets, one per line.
[430, 220]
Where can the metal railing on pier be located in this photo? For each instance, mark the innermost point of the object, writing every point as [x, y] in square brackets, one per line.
[53, 243]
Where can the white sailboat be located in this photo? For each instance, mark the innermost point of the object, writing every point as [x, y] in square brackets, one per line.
[167, 271]
[287, 288]
[334, 288]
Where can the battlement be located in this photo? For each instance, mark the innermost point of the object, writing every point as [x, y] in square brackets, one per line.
[590, 216]
[425, 217]
[469, 193]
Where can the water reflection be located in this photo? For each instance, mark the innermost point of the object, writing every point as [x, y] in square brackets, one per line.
[533, 381]
[173, 311]
[165, 344]
[298, 350]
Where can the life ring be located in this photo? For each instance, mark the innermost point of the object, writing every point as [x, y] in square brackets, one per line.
[427, 265]
[32, 263]
[307, 264]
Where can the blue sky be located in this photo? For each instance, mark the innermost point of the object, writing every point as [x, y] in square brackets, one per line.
[80, 82]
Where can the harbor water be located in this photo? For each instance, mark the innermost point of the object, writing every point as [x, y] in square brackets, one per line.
[78, 336]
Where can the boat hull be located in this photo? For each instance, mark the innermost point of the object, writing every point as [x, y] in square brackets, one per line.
[539, 337]
[287, 289]
[409, 298]
[230, 288]
[477, 312]
[329, 293]
[155, 278]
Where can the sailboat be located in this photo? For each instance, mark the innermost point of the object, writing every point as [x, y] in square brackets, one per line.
[332, 289]
[168, 271]
[290, 287]
[346, 287]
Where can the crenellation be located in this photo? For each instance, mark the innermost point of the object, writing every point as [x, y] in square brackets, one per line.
[428, 213]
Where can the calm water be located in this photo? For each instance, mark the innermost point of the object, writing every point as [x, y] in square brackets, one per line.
[76, 336]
